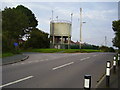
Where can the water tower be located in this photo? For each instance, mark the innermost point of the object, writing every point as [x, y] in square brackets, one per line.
[60, 34]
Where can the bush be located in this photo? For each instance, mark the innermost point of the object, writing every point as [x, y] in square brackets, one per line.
[107, 49]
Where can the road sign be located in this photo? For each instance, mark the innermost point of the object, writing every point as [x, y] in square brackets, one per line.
[15, 44]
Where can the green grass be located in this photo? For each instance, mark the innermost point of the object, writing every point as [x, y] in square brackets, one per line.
[62, 50]
[44, 50]
[7, 54]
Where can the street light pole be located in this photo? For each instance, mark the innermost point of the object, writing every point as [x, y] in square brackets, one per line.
[80, 27]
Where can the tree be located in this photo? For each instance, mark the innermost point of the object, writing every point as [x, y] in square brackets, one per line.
[116, 29]
[37, 39]
[107, 49]
[16, 22]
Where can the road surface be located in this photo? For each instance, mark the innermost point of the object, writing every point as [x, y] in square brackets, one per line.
[55, 70]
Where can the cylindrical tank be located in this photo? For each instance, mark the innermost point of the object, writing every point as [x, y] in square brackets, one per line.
[60, 28]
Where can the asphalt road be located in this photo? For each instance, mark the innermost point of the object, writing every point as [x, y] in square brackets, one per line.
[49, 70]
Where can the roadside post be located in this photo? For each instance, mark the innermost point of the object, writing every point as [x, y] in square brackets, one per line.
[108, 74]
[87, 82]
[114, 65]
[118, 59]
[16, 45]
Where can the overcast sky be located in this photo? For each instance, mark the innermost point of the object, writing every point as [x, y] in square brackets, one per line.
[97, 15]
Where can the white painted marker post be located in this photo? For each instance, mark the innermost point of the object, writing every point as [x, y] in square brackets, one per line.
[114, 66]
[108, 73]
[118, 59]
[114, 58]
[87, 82]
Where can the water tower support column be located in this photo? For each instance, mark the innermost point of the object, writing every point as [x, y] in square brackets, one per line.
[68, 42]
[62, 42]
[53, 41]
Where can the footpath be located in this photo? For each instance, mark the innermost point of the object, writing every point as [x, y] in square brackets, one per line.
[14, 59]
[114, 83]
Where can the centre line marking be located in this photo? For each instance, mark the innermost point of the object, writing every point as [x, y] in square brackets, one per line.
[41, 60]
[14, 82]
[87, 57]
[36, 61]
[62, 65]
[46, 59]
[22, 63]
[84, 58]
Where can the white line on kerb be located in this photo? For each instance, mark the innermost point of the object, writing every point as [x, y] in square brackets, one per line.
[62, 66]
[22, 63]
[102, 79]
[16, 81]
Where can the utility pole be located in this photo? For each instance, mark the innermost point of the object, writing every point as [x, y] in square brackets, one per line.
[52, 15]
[53, 41]
[105, 40]
[69, 40]
[71, 17]
[80, 27]
[57, 18]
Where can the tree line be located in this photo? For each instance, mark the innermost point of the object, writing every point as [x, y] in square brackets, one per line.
[89, 46]
[116, 29]
[19, 23]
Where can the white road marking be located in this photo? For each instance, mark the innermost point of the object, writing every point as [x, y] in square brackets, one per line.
[36, 61]
[12, 64]
[30, 61]
[87, 57]
[41, 60]
[22, 63]
[100, 81]
[84, 58]
[46, 59]
[94, 55]
[14, 82]
[62, 65]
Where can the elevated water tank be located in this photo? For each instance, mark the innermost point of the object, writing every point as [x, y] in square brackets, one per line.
[60, 28]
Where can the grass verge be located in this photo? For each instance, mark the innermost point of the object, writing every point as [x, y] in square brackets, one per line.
[7, 54]
[62, 50]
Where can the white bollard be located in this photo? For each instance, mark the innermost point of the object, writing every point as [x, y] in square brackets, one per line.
[114, 66]
[87, 82]
[108, 73]
[114, 58]
[118, 59]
